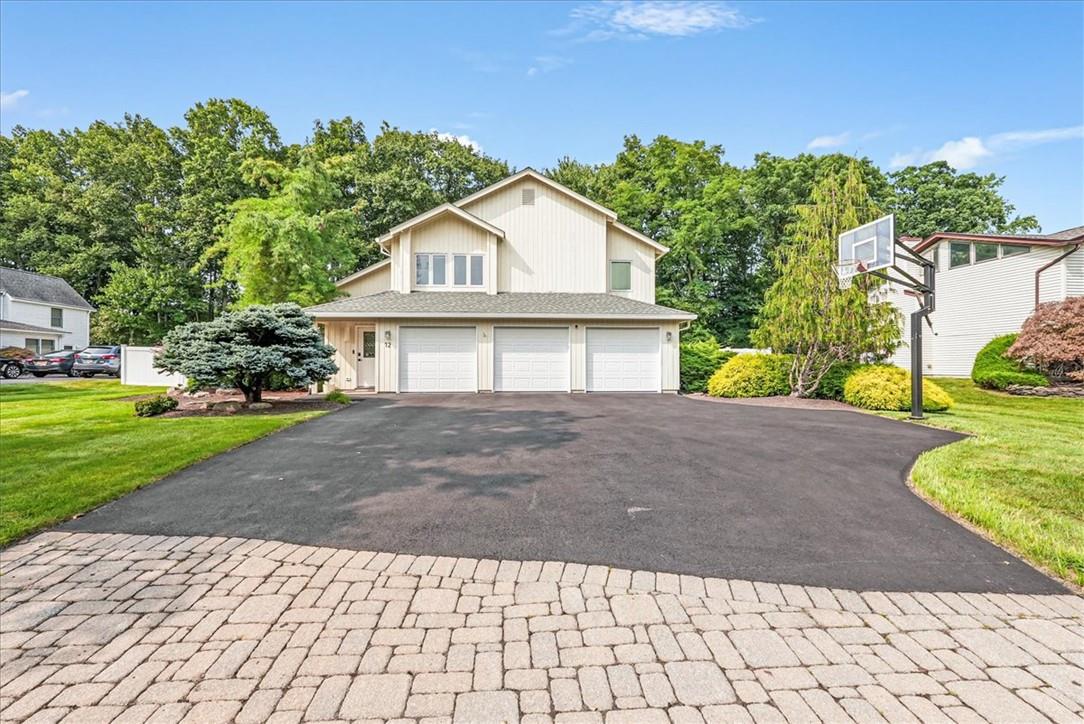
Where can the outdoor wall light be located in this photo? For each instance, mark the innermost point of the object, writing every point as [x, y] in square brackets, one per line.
[387, 335]
[669, 336]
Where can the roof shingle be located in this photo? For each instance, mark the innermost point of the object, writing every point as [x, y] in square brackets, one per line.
[43, 288]
[481, 305]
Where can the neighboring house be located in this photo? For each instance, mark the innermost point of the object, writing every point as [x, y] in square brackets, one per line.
[987, 285]
[522, 286]
[41, 312]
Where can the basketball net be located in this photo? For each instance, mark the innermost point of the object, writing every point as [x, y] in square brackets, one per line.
[846, 272]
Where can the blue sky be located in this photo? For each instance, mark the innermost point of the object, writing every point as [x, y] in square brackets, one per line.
[991, 87]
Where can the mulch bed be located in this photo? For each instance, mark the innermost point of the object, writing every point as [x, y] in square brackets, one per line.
[278, 408]
[801, 403]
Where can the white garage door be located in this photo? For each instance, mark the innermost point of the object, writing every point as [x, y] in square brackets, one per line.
[530, 359]
[438, 359]
[623, 360]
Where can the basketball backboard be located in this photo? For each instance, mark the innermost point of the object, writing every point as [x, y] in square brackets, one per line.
[867, 248]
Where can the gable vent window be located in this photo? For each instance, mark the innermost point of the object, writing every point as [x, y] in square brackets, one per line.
[527, 197]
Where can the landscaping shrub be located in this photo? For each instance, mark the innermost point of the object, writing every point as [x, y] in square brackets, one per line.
[338, 396]
[752, 375]
[155, 406]
[1052, 340]
[996, 371]
[831, 385]
[699, 360]
[16, 353]
[884, 387]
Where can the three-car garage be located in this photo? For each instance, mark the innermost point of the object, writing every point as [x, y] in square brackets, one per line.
[530, 358]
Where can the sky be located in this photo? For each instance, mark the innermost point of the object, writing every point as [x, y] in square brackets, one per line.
[989, 87]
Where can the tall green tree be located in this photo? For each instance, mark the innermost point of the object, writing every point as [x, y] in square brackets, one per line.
[290, 246]
[936, 197]
[805, 313]
[218, 137]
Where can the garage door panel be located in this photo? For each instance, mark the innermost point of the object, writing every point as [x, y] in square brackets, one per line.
[623, 360]
[531, 359]
[438, 359]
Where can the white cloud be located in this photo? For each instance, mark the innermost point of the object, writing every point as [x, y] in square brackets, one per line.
[462, 139]
[547, 64]
[970, 151]
[638, 20]
[10, 100]
[829, 141]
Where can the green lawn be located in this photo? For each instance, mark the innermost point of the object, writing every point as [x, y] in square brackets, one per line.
[66, 448]
[1020, 479]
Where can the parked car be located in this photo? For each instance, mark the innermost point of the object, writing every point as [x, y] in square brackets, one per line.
[100, 359]
[59, 362]
[11, 367]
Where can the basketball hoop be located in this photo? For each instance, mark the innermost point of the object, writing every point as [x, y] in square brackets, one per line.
[847, 270]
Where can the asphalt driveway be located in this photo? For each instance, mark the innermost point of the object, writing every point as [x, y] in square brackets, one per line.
[639, 481]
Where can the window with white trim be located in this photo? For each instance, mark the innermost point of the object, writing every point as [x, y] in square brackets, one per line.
[620, 276]
[39, 346]
[468, 270]
[56, 317]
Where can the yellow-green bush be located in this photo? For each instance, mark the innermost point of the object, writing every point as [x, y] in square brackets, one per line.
[883, 387]
[752, 375]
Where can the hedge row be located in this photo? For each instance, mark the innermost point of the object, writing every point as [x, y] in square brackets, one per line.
[873, 387]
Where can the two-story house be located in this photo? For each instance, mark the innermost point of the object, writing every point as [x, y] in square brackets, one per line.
[41, 313]
[522, 286]
[987, 285]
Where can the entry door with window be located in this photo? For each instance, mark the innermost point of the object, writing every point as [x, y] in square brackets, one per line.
[366, 358]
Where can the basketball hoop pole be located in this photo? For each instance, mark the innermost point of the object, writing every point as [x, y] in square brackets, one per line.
[920, 315]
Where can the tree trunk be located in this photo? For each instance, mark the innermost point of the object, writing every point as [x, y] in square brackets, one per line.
[250, 393]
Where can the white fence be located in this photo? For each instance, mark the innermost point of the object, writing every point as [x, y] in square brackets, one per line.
[137, 368]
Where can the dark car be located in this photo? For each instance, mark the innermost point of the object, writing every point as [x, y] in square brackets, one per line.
[11, 367]
[95, 360]
[59, 362]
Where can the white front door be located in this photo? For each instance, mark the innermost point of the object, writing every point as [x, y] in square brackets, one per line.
[366, 357]
[438, 359]
[530, 359]
[623, 360]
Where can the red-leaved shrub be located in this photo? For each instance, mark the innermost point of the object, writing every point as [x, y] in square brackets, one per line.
[1052, 340]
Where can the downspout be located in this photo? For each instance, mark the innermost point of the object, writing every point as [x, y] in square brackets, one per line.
[1046, 266]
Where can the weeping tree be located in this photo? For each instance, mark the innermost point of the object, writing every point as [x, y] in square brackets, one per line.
[805, 313]
[247, 348]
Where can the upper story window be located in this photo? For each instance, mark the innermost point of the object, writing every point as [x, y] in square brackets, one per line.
[56, 317]
[432, 270]
[985, 252]
[959, 254]
[620, 276]
[964, 253]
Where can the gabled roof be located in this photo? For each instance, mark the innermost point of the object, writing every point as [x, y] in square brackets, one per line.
[436, 212]
[1074, 235]
[535, 176]
[41, 288]
[508, 305]
[659, 248]
[363, 272]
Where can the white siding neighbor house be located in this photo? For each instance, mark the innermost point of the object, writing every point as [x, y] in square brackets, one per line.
[524, 286]
[987, 285]
[41, 312]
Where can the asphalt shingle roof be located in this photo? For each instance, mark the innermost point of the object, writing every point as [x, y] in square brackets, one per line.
[1067, 234]
[42, 288]
[480, 305]
[23, 327]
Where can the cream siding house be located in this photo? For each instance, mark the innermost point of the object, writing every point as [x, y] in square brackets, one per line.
[987, 285]
[41, 312]
[522, 286]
